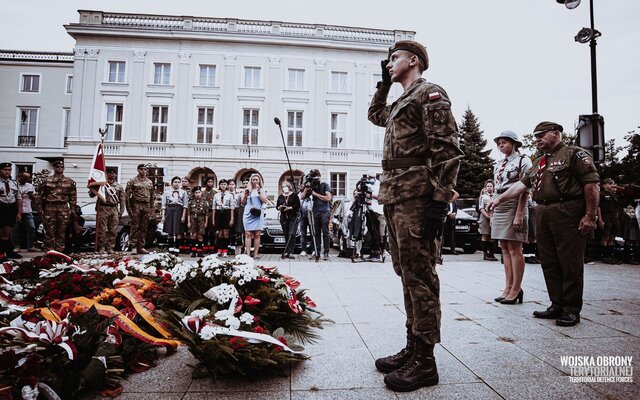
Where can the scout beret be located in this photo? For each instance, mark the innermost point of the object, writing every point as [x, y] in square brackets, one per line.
[5, 165]
[222, 181]
[511, 136]
[142, 166]
[58, 162]
[195, 189]
[546, 126]
[111, 171]
[413, 47]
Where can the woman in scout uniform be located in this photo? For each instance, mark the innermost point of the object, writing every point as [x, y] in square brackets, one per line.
[174, 212]
[197, 220]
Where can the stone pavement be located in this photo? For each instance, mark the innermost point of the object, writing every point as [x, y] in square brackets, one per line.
[488, 350]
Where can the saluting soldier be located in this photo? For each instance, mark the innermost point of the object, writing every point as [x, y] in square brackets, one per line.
[109, 212]
[564, 182]
[139, 198]
[420, 165]
[58, 197]
[197, 220]
[10, 210]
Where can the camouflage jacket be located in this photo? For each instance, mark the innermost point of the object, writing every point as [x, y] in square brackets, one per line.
[57, 190]
[198, 209]
[419, 125]
[139, 191]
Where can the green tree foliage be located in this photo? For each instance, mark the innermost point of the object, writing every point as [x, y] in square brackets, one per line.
[529, 143]
[476, 166]
[627, 170]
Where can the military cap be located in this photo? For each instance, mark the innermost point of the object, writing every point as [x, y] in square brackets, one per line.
[546, 126]
[142, 166]
[413, 47]
[58, 162]
[195, 189]
[111, 171]
[5, 165]
[511, 136]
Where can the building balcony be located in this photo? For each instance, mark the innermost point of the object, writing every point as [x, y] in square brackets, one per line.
[26, 141]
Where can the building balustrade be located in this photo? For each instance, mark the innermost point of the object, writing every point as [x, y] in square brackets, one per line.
[26, 141]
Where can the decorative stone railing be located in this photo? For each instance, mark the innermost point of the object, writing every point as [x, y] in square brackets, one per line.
[253, 27]
[35, 56]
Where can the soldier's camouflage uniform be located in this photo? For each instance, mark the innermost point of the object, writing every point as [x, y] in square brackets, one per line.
[421, 158]
[109, 214]
[139, 198]
[198, 213]
[57, 198]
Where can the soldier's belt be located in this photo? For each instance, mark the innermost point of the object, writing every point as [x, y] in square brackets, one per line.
[108, 205]
[174, 205]
[405, 162]
[560, 200]
[56, 202]
[141, 201]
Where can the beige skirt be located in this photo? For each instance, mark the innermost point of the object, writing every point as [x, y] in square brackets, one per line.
[502, 222]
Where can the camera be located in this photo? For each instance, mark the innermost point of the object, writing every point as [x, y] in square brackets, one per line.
[363, 190]
[312, 179]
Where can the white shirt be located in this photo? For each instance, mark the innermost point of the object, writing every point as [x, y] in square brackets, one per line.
[516, 168]
[26, 200]
[224, 201]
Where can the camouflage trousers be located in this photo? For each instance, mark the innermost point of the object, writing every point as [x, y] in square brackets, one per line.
[414, 260]
[55, 220]
[140, 214]
[108, 219]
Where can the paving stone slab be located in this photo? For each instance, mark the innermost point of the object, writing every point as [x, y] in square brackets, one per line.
[471, 391]
[351, 394]
[558, 388]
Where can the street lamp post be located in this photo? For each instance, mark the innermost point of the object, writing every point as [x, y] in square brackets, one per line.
[590, 128]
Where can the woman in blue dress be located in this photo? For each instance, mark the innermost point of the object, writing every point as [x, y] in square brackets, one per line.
[254, 198]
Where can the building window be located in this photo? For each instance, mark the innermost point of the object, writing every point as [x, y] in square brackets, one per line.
[294, 128]
[159, 117]
[68, 85]
[377, 137]
[116, 71]
[207, 75]
[20, 168]
[252, 77]
[338, 130]
[66, 121]
[205, 125]
[296, 79]
[161, 74]
[339, 184]
[250, 126]
[113, 121]
[30, 83]
[339, 82]
[28, 126]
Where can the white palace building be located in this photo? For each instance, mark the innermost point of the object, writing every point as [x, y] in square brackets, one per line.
[197, 96]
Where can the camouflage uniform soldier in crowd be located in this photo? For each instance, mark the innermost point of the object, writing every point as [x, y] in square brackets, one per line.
[139, 198]
[57, 197]
[197, 220]
[109, 213]
[420, 167]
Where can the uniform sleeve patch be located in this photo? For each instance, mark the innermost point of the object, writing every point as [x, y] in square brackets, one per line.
[582, 154]
[434, 96]
[440, 117]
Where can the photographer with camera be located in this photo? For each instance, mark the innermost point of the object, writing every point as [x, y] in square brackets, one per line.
[320, 193]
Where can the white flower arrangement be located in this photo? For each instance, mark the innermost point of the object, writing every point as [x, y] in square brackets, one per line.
[221, 293]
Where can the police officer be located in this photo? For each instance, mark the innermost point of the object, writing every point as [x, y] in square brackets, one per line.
[564, 182]
[10, 209]
[420, 167]
[109, 212]
[139, 199]
[58, 197]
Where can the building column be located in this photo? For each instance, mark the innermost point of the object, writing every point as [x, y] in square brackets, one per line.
[182, 129]
[78, 90]
[274, 103]
[136, 116]
[88, 131]
[321, 125]
[358, 134]
[229, 118]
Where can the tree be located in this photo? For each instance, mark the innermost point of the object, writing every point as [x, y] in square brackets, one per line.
[476, 166]
[630, 165]
[529, 143]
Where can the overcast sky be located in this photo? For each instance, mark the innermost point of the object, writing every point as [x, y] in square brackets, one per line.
[514, 62]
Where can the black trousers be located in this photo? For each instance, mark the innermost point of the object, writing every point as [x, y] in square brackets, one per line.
[290, 229]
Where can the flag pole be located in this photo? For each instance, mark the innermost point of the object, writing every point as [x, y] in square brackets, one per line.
[103, 133]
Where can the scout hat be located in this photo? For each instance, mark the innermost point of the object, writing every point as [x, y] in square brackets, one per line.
[511, 136]
[5, 165]
[58, 162]
[413, 47]
[546, 126]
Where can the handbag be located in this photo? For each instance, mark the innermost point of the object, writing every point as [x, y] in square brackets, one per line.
[254, 210]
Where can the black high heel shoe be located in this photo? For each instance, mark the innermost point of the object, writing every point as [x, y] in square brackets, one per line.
[518, 299]
[499, 299]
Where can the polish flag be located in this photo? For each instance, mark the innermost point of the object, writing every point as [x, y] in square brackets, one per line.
[98, 174]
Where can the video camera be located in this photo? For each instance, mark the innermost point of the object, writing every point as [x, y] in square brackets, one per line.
[312, 179]
[363, 190]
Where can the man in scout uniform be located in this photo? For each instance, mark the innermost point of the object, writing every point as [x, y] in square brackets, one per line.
[197, 219]
[139, 198]
[10, 210]
[109, 212]
[208, 193]
[564, 182]
[58, 197]
[420, 165]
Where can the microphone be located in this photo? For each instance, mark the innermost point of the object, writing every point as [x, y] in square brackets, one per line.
[277, 121]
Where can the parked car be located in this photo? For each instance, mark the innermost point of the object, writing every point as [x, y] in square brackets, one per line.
[85, 241]
[466, 235]
[272, 237]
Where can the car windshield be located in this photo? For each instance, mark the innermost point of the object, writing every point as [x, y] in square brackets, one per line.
[462, 214]
[271, 214]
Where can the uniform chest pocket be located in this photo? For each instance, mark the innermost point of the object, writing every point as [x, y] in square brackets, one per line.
[512, 172]
[406, 119]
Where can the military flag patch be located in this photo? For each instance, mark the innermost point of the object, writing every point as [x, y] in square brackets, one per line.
[434, 96]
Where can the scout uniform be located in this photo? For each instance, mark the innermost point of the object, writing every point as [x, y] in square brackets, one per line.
[58, 197]
[139, 197]
[109, 212]
[10, 200]
[557, 182]
[198, 212]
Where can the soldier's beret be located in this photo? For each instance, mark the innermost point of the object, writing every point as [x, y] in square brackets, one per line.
[5, 165]
[413, 47]
[58, 162]
[546, 126]
[111, 171]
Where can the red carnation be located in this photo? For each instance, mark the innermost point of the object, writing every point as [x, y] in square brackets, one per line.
[251, 301]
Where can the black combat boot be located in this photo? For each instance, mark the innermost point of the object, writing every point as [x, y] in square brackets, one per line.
[396, 361]
[419, 371]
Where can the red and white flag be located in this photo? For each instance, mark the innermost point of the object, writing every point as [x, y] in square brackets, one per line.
[98, 174]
